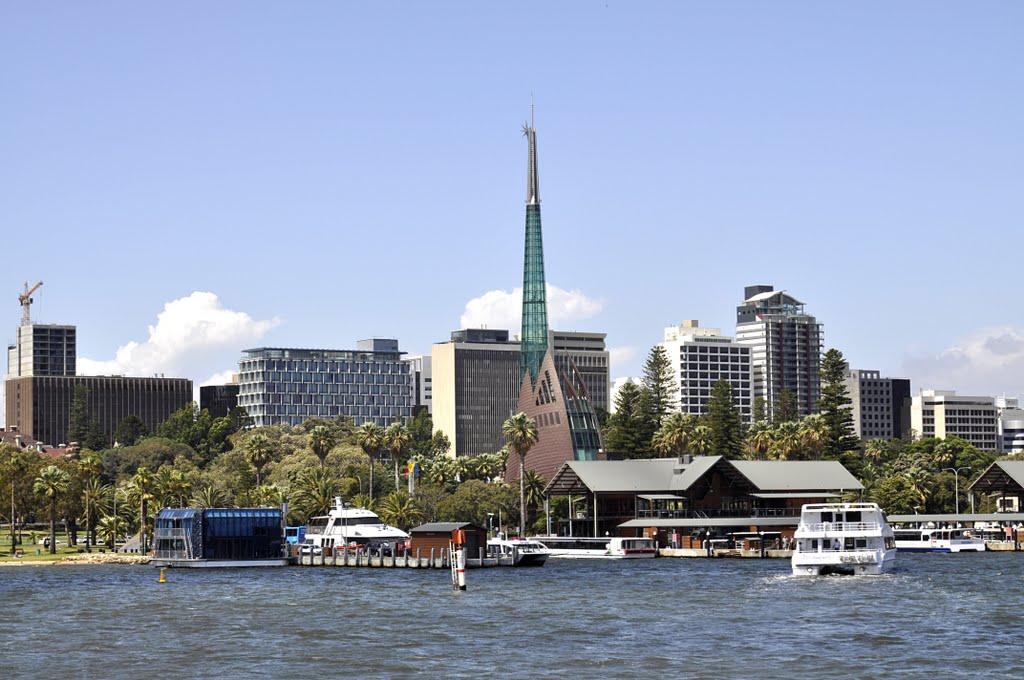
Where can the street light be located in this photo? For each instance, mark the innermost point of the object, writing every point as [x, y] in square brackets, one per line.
[956, 483]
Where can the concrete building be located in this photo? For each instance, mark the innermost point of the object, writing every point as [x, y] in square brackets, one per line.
[586, 353]
[881, 406]
[1011, 425]
[785, 345]
[421, 370]
[700, 358]
[42, 350]
[40, 407]
[371, 383]
[475, 388]
[944, 413]
[219, 399]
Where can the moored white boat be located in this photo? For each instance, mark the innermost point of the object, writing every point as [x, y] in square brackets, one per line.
[351, 527]
[843, 538]
[613, 548]
[950, 540]
[524, 552]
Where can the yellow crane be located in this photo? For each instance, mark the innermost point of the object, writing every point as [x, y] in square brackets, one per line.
[26, 300]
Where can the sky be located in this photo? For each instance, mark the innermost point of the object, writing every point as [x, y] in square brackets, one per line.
[193, 179]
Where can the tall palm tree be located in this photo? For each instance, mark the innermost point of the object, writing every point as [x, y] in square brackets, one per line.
[700, 440]
[759, 440]
[110, 528]
[370, 438]
[267, 494]
[52, 483]
[89, 467]
[520, 431]
[259, 453]
[207, 497]
[142, 488]
[321, 440]
[534, 494]
[786, 442]
[397, 441]
[400, 509]
[674, 435]
[314, 491]
[813, 434]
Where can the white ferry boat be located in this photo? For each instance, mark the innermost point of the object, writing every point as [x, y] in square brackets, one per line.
[352, 527]
[608, 548]
[524, 552]
[843, 538]
[938, 540]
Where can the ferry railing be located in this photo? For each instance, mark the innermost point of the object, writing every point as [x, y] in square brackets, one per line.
[170, 533]
[839, 526]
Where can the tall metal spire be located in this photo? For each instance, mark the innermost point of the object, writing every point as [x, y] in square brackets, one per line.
[532, 178]
[535, 309]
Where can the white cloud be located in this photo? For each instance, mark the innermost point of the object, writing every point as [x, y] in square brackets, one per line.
[988, 361]
[221, 378]
[503, 309]
[617, 356]
[194, 335]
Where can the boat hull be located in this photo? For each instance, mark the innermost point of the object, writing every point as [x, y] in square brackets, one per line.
[852, 564]
[217, 564]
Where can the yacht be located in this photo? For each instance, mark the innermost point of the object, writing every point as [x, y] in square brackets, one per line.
[843, 538]
[950, 540]
[352, 527]
[525, 552]
[608, 548]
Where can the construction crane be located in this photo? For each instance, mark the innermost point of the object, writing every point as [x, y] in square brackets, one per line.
[25, 301]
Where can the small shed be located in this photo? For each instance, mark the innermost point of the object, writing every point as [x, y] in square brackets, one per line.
[437, 535]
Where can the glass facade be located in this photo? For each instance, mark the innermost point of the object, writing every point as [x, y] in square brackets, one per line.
[279, 385]
[219, 533]
[535, 310]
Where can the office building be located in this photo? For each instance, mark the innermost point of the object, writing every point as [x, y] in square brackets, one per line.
[1011, 425]
[587, 355]
[785, 345]
[421, 370]
[556, 400]
[219, 400]
[700, 358]
[880, 406]
[42, 350]
[944, 413]
[40, 407]
[288, 385]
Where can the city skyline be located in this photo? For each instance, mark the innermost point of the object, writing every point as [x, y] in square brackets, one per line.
[270, 181]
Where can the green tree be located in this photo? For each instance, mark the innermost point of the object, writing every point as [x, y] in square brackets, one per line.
[785, 409]
[400, 509]
[396, 439]
[840, 441]
[370, 438]
[259, 453]
[786, 441]
[625, 430]
[659, 387]
[760, 410]
[207, 496]
[130, 431]
[313, 491]
[724, 422]
[89, 467]
[321, 440]
[51, 484]
[472, 500]
[95, 438]
[520, 431]
[421, 429]
[675, 434]
[141, 489]
[534, 484]
[813, 435]
[759, 440]
[79, 418]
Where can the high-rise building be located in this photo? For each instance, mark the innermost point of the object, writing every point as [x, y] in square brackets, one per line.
[421, 370]
[476, 382]
[475, 389]
[219, 399]
[944, 413]
[785, 345]
[40, 407]
[286, 385]
[556, 400]
[1011, 425]
[700, 358]
[42, 350]
[880, 406]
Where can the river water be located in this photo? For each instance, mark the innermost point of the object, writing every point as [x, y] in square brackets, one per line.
[935, 616]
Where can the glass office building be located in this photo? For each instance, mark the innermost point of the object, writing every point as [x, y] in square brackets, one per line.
[236, 534]
[369, 384]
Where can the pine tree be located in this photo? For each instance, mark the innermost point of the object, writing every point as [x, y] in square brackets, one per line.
[625, 430]
[725, 425]
[840, 441]
[785, 409]
[659, 385]
[79, 420]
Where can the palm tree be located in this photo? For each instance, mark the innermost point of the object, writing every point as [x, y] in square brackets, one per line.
[813, 434]
[534, 494]
[267, 494]
[259, 452]
[520, 431]
[397, 441]
[674, 435]
[51, 483]
[442, 470]
[207, 497]
[142, 488]
[110, 527]
[700, 440]
[89, 466]
[759, 440]
[786, 440]
[400, 509]
[370, 438]
[321, 440]
[314, 491]
[361, 500]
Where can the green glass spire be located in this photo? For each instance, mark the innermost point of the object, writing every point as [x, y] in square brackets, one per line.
[535, 309]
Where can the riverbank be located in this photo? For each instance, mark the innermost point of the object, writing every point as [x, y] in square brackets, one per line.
[81, 558]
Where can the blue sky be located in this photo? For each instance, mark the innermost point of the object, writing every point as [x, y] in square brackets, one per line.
[191, 179]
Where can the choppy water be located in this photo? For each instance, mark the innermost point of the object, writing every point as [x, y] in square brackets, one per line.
[937, 615]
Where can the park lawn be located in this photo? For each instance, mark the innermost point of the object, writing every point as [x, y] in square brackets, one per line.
[29, 549]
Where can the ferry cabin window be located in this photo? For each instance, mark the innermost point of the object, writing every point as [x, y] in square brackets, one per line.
[862, 543]
[853, 516]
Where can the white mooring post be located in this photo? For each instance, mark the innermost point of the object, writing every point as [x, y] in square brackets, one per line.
[458, 566]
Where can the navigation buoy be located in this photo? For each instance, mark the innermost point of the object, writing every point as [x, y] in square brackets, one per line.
[162, 578]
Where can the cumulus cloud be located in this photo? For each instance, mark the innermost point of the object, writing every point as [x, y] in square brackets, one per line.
[619, 357]
[193, 336]
[503, 309]
[988, 361]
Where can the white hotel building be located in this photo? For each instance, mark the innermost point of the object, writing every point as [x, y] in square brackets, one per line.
[701, 357]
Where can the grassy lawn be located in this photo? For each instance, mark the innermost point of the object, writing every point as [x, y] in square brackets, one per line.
[29, 549]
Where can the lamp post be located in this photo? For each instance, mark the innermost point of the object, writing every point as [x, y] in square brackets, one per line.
[956, 483]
